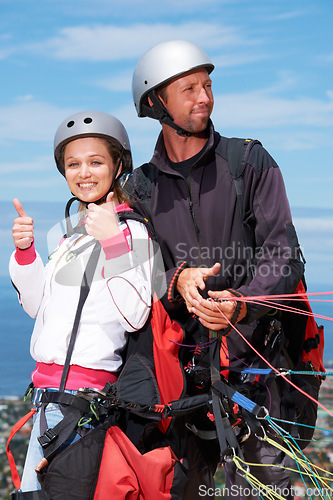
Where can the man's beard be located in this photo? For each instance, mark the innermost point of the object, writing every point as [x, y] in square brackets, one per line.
[195, 126]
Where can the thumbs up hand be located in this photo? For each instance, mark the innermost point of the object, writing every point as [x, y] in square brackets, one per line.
[23, 227]
[102, 221]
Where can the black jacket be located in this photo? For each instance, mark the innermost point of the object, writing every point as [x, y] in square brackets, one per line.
[200, 224]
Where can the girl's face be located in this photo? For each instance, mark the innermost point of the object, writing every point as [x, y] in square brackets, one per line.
[89, 168]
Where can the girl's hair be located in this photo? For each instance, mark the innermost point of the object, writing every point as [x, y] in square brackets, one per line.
[116, 152]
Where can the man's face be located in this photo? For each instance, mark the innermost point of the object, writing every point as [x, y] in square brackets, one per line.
[189, 99]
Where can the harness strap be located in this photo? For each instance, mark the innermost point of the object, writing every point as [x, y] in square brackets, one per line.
[73, 409]
[54, 438]
[237, 397]
[71, 406]
[85, 287]
[186, 405]
[29, 495]
[66, 398]
[225, 434]
[250, 371]
[11, 460]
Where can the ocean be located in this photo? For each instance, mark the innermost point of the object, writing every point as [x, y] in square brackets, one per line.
[16, 364]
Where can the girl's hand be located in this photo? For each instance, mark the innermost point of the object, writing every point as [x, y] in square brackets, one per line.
[23, 228]
[102, 221]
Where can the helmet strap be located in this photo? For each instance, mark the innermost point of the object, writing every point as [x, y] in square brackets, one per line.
[162, 114]
[69, 227]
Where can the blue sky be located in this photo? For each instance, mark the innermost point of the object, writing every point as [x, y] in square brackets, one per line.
[273, 81]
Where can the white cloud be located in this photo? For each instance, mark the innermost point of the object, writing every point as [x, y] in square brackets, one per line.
[315, 225]
[119, 83]
[27, 97]
[261, 109]
[300, 139]
[39, 164]
[286, 15]
[315, 235]
[43, 182]
[132, 9]
[237, 59]
[31, 121]
[322, 181]
[114, 43]
[6, 53]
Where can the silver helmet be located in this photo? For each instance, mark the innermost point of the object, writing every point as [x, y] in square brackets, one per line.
[88, 124]
[161, 63]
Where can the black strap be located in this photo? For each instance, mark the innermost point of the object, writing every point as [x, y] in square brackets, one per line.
[158, 111]
[237, 397]
[225, 434]
[66, 398]
[81, 229]
[73, 407]
[129, 215]
[85, 287]
[144, 178]
[29, 495]
[52, 439]
[238, 151]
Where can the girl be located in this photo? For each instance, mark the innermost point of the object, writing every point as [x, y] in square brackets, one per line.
[92, 151]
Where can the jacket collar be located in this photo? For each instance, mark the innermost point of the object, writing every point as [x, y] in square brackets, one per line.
[161, 160]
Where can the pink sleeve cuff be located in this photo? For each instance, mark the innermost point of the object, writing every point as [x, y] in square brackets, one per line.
[115, 246]
[27, 256]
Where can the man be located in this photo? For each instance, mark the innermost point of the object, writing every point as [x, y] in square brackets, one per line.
[193, 206]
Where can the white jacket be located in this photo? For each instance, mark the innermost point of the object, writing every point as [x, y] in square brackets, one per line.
[119, 299]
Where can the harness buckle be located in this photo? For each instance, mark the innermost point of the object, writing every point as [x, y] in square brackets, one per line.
[47, 438]
[283, 371]
[89, 393]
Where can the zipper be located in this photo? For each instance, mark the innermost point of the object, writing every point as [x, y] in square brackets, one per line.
[195, 225]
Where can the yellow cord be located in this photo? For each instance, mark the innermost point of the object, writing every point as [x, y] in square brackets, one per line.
[306, 465]
[256, 484]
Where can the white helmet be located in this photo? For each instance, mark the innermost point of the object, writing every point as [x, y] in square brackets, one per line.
[91, 124]
[161, 63]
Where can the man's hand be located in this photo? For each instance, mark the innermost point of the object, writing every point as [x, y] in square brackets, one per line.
[210, 312]
[102, 221]
[192, 278]
[23, 227]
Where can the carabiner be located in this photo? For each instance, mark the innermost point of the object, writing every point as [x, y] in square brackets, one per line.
[243, 473]
[264, 438]
[229, 458]
[265, 411]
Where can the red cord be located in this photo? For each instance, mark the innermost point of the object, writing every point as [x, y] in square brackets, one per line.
[275, 369]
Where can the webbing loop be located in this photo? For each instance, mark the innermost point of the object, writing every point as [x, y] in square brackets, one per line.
[13, 469]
